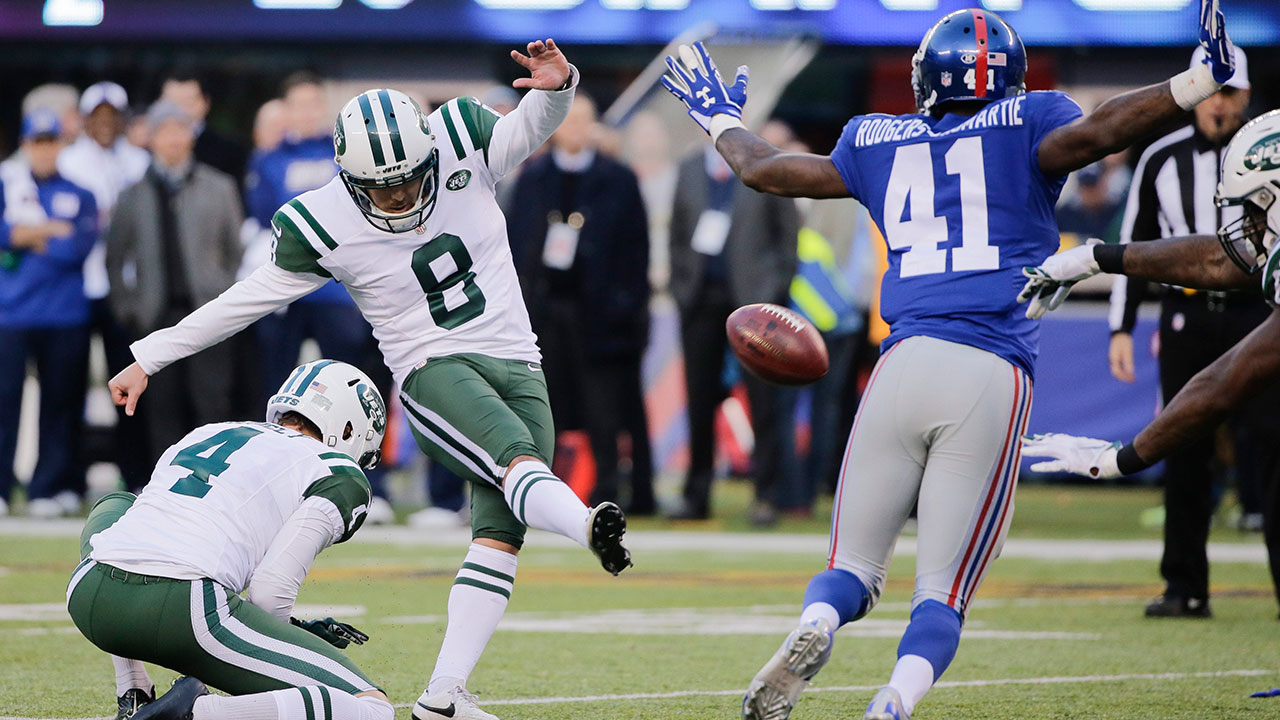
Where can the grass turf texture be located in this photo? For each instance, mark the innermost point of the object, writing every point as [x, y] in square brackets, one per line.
[681, 598]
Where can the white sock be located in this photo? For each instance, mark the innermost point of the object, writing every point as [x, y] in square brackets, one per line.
[476, 604]
[131, 674]
[820, 611]
[912, 677]
[305, 703]
[541, 500]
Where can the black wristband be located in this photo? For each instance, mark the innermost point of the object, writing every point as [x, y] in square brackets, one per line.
[1110, 258]
[1129, 462]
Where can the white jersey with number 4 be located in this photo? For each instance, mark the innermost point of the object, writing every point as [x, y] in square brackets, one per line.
[446, 287]
[218, 498]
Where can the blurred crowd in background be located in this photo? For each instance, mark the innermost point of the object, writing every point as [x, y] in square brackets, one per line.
[122, 213]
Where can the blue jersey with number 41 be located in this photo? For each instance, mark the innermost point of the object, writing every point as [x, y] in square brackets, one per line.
[963, 207]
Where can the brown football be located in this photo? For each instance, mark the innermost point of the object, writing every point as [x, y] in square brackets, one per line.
[776, 344]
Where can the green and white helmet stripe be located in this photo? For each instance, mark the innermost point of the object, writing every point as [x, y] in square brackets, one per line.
[343, 404]
[382, 140]
[384, 130]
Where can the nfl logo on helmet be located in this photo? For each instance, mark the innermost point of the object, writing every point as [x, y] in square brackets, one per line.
[946, 79]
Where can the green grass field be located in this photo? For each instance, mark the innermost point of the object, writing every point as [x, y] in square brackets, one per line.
[683, 632]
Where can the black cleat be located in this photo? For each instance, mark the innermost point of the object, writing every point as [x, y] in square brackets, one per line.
[1175, 606]
[130, 702]
[175, 704]
[605, 527]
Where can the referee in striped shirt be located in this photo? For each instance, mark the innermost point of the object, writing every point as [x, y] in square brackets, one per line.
[1173, 194]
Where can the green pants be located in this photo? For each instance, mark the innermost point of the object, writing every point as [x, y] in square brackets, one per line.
[475, 414]
[197, 627]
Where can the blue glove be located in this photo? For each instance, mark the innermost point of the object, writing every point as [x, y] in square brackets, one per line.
[695, 81]
[1221, 57]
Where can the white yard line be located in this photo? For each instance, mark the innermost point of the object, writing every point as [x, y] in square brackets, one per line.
[733, 543]
[1051, 680]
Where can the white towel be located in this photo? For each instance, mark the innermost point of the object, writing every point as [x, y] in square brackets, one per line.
[21, 200]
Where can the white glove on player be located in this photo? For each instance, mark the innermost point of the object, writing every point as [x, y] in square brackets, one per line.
[1079, 455]
[1048, 285]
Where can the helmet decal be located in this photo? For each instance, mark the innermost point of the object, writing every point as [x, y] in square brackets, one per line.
[373, 407]
[1264, 154]
[339, 138]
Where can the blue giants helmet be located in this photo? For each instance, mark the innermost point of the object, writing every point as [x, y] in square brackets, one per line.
[961, 48]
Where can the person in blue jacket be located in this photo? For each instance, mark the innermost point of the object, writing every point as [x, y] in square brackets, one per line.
[47, 227]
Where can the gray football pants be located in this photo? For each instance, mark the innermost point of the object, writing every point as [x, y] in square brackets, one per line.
[939, 424]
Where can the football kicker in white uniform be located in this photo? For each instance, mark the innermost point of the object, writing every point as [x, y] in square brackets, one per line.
[231, 507]
[411, 227]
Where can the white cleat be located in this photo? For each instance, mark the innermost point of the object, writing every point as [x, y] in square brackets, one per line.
[776, 688]
[886, 705]
[453, 704]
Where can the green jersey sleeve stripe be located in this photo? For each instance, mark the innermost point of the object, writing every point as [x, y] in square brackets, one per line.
[306, 232]
[466, 108]
[393, 125]
[1271, 278]
[292, 252]
[458, 149]
[348, 490]
[310, 219]
[488, 571]
[479, 121]
[375, 143]
[350, 470]
[334, 456]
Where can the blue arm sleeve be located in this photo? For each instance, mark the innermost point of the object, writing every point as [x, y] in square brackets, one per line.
[259, 198]
[72, 250]
[4, 226]
[845, 162]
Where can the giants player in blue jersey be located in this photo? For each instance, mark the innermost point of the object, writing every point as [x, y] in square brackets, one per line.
[964, 194]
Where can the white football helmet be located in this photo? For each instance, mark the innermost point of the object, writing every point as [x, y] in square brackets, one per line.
[381, 141]
[342, 402]
[1251, 178]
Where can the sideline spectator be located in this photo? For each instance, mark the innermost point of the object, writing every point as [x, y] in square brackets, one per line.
[578, 225]
[47, 227]
[302, 162]
[269, 126]
[62, 99]
[174, 245]
[730, 246]
[187, 90]
[1172, 195]
[1090, 211]
[102, 161]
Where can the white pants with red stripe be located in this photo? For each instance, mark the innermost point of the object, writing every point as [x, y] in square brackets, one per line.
[939, 423]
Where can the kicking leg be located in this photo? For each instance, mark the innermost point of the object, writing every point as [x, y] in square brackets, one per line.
[879, 480]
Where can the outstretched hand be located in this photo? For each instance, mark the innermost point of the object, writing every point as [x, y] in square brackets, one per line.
[127, 386]
[695, 81]
[1050, 283]
[1221, 58]
[548, 68]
